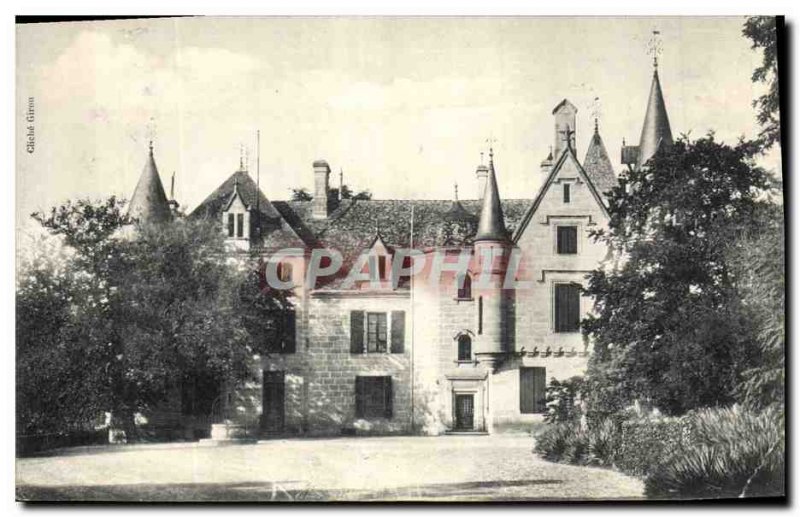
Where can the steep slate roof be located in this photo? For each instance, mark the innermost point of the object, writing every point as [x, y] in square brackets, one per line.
[597, 164]
[351, 228]
[276, 231]
[656, 130]
[149, 202]
[491, 226]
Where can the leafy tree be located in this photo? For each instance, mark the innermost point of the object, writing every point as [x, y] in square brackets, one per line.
[301, 194]
[761, 30]
[757, 259]
[137, 310]
[669, 326]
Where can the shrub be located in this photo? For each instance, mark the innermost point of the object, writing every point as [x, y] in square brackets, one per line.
[645, 442]
[553, 441]
[733, 453]
[603, 443]
[561, 400]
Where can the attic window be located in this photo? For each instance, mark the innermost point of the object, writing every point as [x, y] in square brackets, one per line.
[240, 225]
[231, 225]
[566, 193]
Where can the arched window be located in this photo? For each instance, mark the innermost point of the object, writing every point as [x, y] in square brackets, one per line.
[464, 348]
[465, 289]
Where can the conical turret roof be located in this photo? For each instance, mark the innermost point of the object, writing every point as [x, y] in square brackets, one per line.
[656, 130]
[491, 226]
[149, 202]
[597, 164]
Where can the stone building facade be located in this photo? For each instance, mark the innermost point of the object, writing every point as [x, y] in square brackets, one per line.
[464, 353]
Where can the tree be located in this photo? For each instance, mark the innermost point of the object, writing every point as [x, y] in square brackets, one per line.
[761, 30]
[669, 326]
[301, 194]
[758, 261]
[141, 309]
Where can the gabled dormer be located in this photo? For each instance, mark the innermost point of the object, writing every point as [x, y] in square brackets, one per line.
[236, 216]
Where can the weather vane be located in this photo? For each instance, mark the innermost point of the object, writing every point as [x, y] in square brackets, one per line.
[596, 111]
[654, 47]
[151, 131]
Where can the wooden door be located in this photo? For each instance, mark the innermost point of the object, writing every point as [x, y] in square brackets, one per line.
[465, 411]
[273, 395]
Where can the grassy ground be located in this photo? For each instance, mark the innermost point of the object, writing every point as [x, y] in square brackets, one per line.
[460, 468]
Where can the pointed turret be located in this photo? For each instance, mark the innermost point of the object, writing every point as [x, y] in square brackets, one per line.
[149, 203]
[597, 164]
[491, 226]
[656, 130]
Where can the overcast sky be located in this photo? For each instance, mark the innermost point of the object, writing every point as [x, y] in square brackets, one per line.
[403, 106]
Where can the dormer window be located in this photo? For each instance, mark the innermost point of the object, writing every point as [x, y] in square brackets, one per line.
[567, 193]
[236, 216]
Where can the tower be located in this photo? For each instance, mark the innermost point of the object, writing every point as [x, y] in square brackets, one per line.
[492, 248]
[149, 203]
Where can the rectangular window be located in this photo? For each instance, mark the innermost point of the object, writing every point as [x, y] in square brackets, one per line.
[373, 397]
[398, 332]
[376, 332]
[567, 240]
[356, 332]
[566, 193]
[532, 390]
[567, 308]
[240, 225]
[289, 331]
[231, 223]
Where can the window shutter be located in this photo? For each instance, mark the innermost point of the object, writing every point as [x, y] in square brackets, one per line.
[560, 308]
[526, 396]
[574, 307]
[356, 332]
[360, 396]
[398, 332]
[539, 391]
[289, 333]
[572, 240]
[387, 392]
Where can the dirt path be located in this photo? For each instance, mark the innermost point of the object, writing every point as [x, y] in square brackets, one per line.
[386, 468]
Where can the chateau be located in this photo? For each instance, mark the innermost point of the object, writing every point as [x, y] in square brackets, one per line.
[402, 356]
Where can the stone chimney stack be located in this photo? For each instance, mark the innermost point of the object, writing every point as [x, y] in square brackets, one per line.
[564, 114]
[481, 173]
[322, 171]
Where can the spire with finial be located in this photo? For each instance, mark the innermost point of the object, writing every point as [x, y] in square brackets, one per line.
[149, 203]
[597, 163]
[656, 130]
[241, 157]
[455, 188]
[491, 225]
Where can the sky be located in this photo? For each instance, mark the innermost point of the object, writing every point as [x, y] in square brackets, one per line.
[403, 106]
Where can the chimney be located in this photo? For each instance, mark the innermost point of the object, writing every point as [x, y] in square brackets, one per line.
[564, 114]
[481, 173]
[322, 171]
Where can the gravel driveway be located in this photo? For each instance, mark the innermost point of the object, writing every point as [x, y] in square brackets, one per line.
[364, 469]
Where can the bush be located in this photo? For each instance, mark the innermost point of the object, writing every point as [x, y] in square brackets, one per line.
[561, 399]
[603, 443]
[552, 441]
[733, 453]
[645, 442]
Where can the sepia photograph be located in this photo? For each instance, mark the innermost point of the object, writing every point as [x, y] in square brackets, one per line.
[429, 259]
